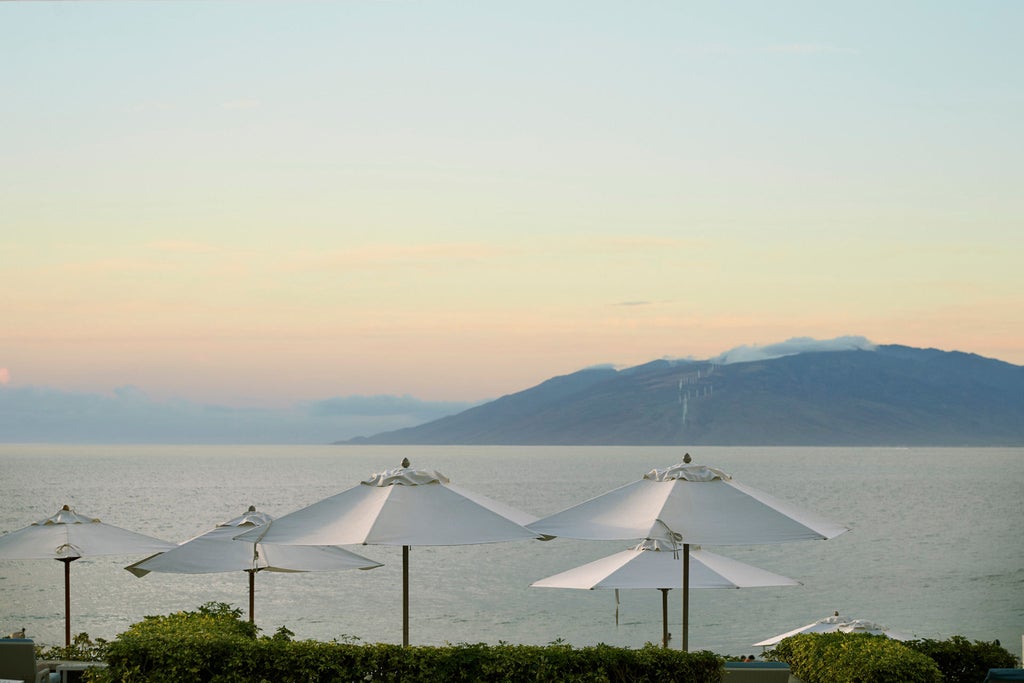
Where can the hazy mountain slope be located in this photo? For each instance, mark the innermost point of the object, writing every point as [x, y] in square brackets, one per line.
[894, 395]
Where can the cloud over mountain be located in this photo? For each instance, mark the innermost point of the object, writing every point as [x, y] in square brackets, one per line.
[127, 415]
[746, 354]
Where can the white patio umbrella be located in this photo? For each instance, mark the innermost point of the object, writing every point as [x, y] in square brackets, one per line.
[405, 507]
[688, 504]
[658, 564]
[67, 536]
[838, 624]
[217, 551]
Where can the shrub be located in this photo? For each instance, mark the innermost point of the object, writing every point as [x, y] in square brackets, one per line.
[214, 645]
[82, 649]
[962, 661]
[212, 619]
[184, 645]
[854, 658]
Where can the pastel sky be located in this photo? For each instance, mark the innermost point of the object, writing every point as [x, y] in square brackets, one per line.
[253, 203]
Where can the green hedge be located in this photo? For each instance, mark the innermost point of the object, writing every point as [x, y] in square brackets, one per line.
[962, 661]
[215, 646]
[854, 658]
[196, 659]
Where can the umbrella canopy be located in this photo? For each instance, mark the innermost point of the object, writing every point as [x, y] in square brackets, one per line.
[695, 504]
[657, 564]
[688, 504]
[402, 506]
[67, 536]
[217, 551]
[834, 624]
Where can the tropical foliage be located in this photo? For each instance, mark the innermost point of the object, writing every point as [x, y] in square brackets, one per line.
[962, 661]
[82, 649]
[854, 658]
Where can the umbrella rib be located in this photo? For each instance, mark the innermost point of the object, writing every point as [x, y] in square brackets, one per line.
[380, 501]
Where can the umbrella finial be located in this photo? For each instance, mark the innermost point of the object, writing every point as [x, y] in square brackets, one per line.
[65, 507]
[405, 462]
[687, 459]
[252, 508]
[837, 613]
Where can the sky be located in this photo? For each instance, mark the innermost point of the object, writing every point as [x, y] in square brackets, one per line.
[265, 204]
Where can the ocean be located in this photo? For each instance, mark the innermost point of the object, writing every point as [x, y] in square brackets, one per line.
[935, 547]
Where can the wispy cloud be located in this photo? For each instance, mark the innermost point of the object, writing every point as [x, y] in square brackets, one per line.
[640, 303]
[809, 49]
[241, 104]
[382, 405]
[115, 265]
[805, 48]
[182, 246]
[151, 106]
[644, 242]
[790, 347]
[392, 256]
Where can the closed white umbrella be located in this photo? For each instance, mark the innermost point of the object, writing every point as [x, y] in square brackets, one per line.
[405, 507]
[688, 504]
[838, 624]
[217, 551]
[657, 564]
[67, 536]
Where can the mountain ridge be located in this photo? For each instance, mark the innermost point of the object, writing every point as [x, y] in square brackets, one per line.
[889, 395]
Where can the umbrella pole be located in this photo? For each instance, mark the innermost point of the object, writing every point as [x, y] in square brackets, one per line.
[252, 592]
[67, 598]
[664, 616]
[405, 596]
[686, 595]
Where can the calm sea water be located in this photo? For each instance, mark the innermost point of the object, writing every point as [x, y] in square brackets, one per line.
[935, 548]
